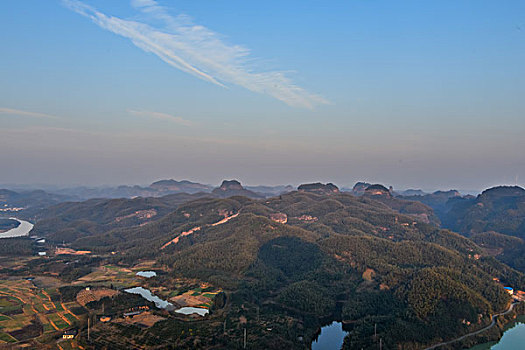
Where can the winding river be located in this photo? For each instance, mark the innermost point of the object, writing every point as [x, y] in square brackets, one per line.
[22, 230]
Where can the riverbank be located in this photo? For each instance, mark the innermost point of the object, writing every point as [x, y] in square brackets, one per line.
[21, 230]
[492, 332]
[7, 224]
[513, 337]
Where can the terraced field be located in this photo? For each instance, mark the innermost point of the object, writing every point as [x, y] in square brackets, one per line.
[28, 312]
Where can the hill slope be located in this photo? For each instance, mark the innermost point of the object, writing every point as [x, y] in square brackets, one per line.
[308, 257]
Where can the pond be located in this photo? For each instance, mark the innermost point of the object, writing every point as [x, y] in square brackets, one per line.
[22, 230]
[193, 310]
[146, 274]
[163, 304]
[513, 338]
[330, 338]
[146, 294]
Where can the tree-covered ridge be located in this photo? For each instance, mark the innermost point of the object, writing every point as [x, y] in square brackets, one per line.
[508, 249]
[69, 221]
[500, 209]
[342, 248]
[308, 257]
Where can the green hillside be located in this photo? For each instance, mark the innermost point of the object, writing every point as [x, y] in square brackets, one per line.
[292, 262]
[500, 209]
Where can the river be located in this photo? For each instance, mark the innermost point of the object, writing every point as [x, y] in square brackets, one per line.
[22, 230]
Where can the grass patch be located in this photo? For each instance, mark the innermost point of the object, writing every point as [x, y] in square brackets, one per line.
[7, 338]
[40, 308]
[66, 345]
[48, 328]
[70, 318]
[60, 323]
[3, 318]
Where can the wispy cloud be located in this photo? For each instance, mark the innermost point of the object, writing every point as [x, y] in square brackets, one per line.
[199, 51]
[18, 112]
[162, 116]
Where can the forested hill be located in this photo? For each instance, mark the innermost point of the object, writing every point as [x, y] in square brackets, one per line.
[500, 209]
[34, 200]
[308, 257]
[440, 201]
[69, 221]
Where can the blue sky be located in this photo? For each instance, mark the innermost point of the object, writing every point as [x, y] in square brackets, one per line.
[408, 93]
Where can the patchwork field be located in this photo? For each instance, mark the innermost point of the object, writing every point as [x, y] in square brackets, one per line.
[106, 275]
[33, 311]
[196, 297]
[28, 312]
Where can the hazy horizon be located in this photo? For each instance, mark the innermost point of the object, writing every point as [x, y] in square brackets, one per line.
[414, 95]
[342, 186]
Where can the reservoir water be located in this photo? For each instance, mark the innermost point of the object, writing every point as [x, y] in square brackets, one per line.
[163, 304]
[513, 338]
[146, 274]
[193, 310]
[22, 230]
[330, 338]
[146, 294]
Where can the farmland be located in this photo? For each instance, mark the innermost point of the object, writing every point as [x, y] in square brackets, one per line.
[31, 312]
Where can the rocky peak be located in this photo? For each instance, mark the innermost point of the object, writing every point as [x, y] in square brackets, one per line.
[448, 194]
[377, 190]
[503, 191]
[319, 188]
[230, 188]
[179, 186]
[359, 188]
[231, 185]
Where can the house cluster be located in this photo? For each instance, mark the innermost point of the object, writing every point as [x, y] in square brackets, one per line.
[517, 295]
[70, 334]
[279, 217]
[8, 209]
[307, 218]
[135, 311]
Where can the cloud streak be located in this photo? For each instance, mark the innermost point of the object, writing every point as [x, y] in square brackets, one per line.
[198, 51]
[161, 116]
[18, 112]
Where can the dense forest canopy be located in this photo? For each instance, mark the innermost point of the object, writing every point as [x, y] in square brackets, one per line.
[306, 254]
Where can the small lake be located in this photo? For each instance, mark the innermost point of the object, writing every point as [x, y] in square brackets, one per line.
[22, 230]
[513, 338]
[146, 294]
[163, 304]
[146, 274]
[193, 310]
[330, 338]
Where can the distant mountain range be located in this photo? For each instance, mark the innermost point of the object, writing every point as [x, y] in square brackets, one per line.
[40, 198]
